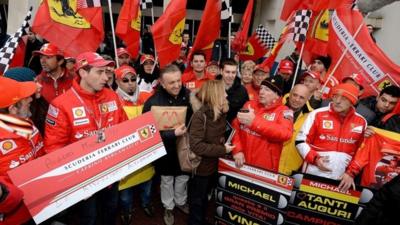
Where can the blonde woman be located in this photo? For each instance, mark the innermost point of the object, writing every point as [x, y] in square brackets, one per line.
[246, 71]
[206, 140]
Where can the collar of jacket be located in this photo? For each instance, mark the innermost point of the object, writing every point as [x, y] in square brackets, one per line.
[45, 77]
[84, 93]
[274, 105]
[164, 92]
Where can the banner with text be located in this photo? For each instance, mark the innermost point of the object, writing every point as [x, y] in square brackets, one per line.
[251, 195]
[64, 177]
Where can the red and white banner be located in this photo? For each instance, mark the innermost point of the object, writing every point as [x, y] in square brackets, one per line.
[64, 177]
[363, 55]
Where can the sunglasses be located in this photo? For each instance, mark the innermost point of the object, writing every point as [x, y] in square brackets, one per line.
[126, 80]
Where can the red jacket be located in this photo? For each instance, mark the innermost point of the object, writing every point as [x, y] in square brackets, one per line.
[262, 141]
[253, 91]
[16, 150]
[191, 82]
[52, 88]
[378, 158]
[325, 133]
[69, 119]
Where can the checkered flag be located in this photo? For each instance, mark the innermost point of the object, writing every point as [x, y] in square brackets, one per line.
[226, 11]
[153, 129]
[146, 4]
[8, 50]
[266, 39]
[300, 25]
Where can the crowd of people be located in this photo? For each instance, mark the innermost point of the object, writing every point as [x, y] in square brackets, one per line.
[282, 124]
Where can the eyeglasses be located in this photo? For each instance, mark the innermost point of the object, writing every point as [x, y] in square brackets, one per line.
[126, 80]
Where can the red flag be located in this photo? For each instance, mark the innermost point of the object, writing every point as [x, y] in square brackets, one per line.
[239, 43]
[285, 35]
[167, 32]
[72, 31]
[316, 5]
[128, 26]
[363, 55]
[254, 49]
[209, 28]
[19, 55]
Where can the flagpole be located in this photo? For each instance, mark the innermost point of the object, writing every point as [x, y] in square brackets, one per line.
[229, 39]
[298, 63]
[113, 32]
[343, 54]
[152, 14]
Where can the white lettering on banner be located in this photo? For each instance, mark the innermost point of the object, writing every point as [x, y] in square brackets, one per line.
[91, 157]
[374, 72]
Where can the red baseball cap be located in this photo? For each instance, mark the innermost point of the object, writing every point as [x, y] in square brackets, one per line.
[313, 74]
[145, 57]
[92, 59]
[286, 66]
[356, 77]
[48, 50]
[14, 91]
[121, 51]
[123, 70]
[262, 68]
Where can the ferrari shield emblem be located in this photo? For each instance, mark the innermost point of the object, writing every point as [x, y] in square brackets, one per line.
[176, 35]
[135, 23]
[64, 12]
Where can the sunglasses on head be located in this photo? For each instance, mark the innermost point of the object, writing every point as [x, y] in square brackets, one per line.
[126, 80]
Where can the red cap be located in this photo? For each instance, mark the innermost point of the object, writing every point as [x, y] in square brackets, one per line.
[262, 68]
[19, 91]
[92, 59]
[48, 50]
[123, 70]
[349, 91]
[356, 77]
[145, 57]
[313, 74]
[121, 51]
[286, 66]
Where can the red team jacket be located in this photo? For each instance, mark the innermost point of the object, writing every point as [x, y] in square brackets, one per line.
[262, 141]
[15, 151]
[69, 120]
[191, 82]
[53, 88]
[325, 133]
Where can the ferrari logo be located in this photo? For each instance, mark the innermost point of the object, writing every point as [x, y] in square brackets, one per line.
[249, 49]
[385, 83]
[144, 133]
[320, 30]
[176, 35]
[104, 108]
[64, 12]
[135, 23]
[282, 180]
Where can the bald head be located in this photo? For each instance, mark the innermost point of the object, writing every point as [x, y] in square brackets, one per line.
[298, 97]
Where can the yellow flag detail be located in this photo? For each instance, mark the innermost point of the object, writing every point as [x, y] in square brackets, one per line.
[64, 12]
[135, 23]
[176, 36]
[321, 31]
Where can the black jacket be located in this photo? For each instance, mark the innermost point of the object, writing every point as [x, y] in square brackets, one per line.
[237, 96]
[384, 207]
[169, 164]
